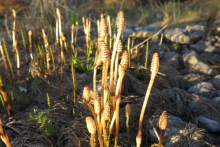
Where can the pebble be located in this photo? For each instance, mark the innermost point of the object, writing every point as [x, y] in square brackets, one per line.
[192, 60]
[210, 125]
[204, 89]
[172, 58]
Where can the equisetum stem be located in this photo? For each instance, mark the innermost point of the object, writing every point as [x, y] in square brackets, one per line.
[145, 105]
[128, 133]
[102, 86]
[105, 94]
[161, 138]
[5, 97]
[112, 62]
[94, 79]
[116, 69]
[93, 140]
[76, 32]
[118, 100]
[112, 122]
[129, 52]
[118, 87]
[3, 57]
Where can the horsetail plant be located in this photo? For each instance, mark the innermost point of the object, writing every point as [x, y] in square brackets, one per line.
[105, 58]
[6, 100]
[162, 125]
[118, 50]
[154, 70]
[4, 136]
[103, 29]
[90, 123]
[120, 23]
[86, 98]
[15, 41]
[77, 25]
[3, 57]
[87, 27]
[109, 116]
[127, 114]
[109, 31]
[46, 44]
[30, 43]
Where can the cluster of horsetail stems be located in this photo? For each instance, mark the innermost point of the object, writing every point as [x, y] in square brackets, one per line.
[106, 109]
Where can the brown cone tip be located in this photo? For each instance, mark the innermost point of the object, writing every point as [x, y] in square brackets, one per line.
[29, 32]
[94, 95]
[97, 107]
[119, 46]
[98, 60]
[120, 21]
[104, 52]
[154, 64]
[86, 94]
[163, 120]
[124, 59]
[90, 123]
[127, 110]
[121, 70]
[102, 28]
[106, 111]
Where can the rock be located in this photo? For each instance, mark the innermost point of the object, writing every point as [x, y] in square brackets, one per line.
[217, 27]
[178, 35]
[210, 125]
[136, 28]
[163, 47]
[193, 79]
[192, 60]
[197, 107]
[211, 39]
[216, 81]
[216, 101]
[197, 47]
[127, 32]
[196, 29]
[211, 49]
[204, 89]
[145, 34]
[172, 58]
[151, 28]
[175, 121]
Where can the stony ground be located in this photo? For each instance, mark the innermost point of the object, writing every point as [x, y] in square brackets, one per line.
[187, 86]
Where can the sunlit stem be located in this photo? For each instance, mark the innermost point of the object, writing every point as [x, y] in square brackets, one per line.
[112, 62]
[118, 100]
[139, 135]
[116, 69]
[161, 138]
